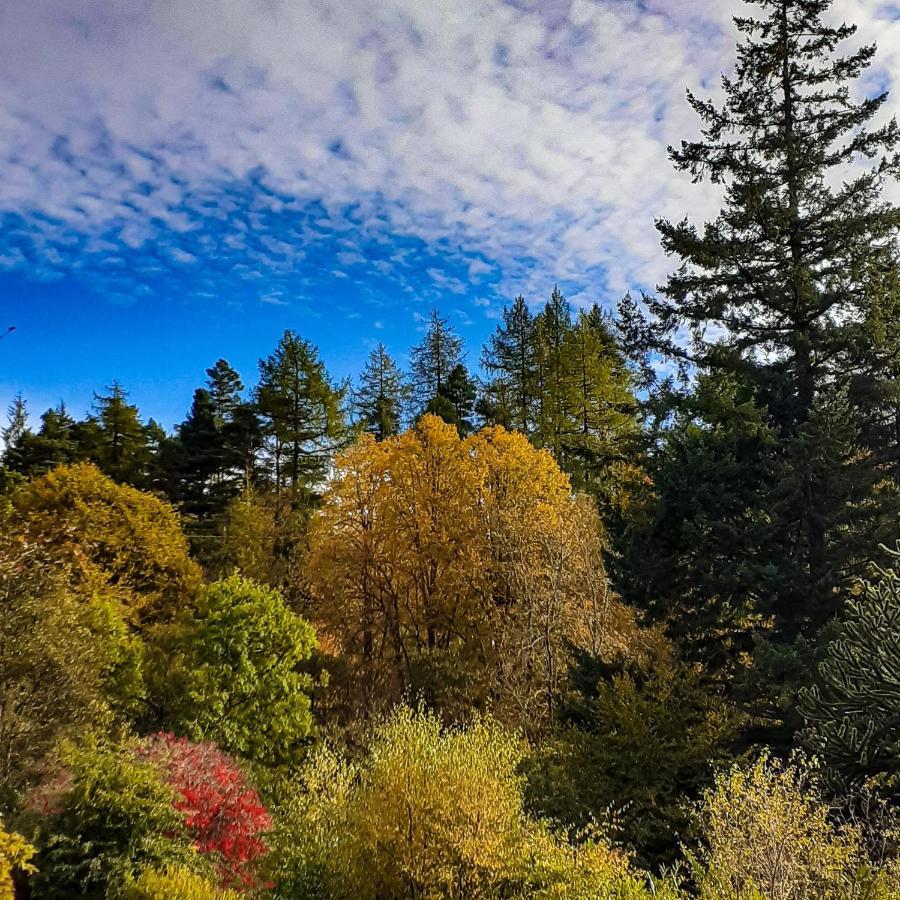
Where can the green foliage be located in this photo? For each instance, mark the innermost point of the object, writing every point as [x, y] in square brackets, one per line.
[640, 742]
[302, 412]
[109, 816]
[67, 662]
[852, 712]
[432, 360]
[381, 396]
[431, 813]
[233, 673]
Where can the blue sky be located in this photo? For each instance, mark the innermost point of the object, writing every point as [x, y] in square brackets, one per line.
[185, 180]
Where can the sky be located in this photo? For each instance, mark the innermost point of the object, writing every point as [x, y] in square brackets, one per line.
[183, 180]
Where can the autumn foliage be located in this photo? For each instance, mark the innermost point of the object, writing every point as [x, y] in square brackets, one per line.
[459, 568]
[222, 811]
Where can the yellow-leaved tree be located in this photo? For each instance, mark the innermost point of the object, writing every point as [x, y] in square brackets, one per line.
[461, 569]
[106, 532]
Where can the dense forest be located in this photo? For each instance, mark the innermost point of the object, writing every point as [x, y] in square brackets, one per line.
[611, 610]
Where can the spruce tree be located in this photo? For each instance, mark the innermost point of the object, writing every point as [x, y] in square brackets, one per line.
[381, 395]
[15, 433]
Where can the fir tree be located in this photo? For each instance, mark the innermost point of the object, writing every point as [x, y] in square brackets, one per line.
[777, 294]
[509, 361]
[122, 448]
[225, 388]
[302, 413]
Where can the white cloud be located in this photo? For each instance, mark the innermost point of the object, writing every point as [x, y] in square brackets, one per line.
[502, 132]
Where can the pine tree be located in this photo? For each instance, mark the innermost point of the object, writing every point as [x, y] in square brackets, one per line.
[853, 711]
[16, 423]
[508, 358]
[381, 396]
[302, 414]
[202, 458]
[777, 293]
[433, 359]
[225, 388]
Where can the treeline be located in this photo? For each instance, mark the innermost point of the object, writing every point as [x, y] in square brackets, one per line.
[573, 628]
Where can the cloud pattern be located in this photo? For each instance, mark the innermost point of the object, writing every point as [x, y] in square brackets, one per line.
[256, 150]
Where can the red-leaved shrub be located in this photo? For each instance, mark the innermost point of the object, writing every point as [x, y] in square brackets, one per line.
[223, 812]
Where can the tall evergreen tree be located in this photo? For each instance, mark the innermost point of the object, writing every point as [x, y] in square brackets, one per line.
[551, 328]
[508, 359]
[225, 388]
[455, 402]
[15, 432]
[433, 359]
[380, 397]
[777, 293]
[302, 414]
[122, 448]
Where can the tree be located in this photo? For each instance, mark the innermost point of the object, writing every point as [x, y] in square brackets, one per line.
[381, 396]
[455, 403]
[433, 813]
[509, 361]
[202, 458]
[15, 433]
[233, 673]
[173, 883]
[222, 810]
[851, 712]
[777, 295]
[112, 534]
[122, 449]
[225, 388]
[108, 815]
[67, 662]
[461, 569]
[641, 737]
[768, 832]
[302, 412]
[433, 359]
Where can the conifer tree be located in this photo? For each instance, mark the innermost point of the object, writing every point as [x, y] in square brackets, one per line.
[225, 388]
[853, 711]
[433, 359]
[301, 411]
[381, 396]
[122, 448]
[15, 430]
[508, 358]
[777, 295]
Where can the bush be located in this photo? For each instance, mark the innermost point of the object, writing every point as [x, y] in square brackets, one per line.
[433, 814]
[222, 812]
[15, 853]
[768, 833]
[173, 883]
[108, 815]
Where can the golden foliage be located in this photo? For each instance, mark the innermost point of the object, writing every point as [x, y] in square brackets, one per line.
[15, 853]
[127, 539]
[173, 883]
[769, 835]
[460, 567]
[432, 813]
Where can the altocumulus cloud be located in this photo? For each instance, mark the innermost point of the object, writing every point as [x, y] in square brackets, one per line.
[266, 142]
